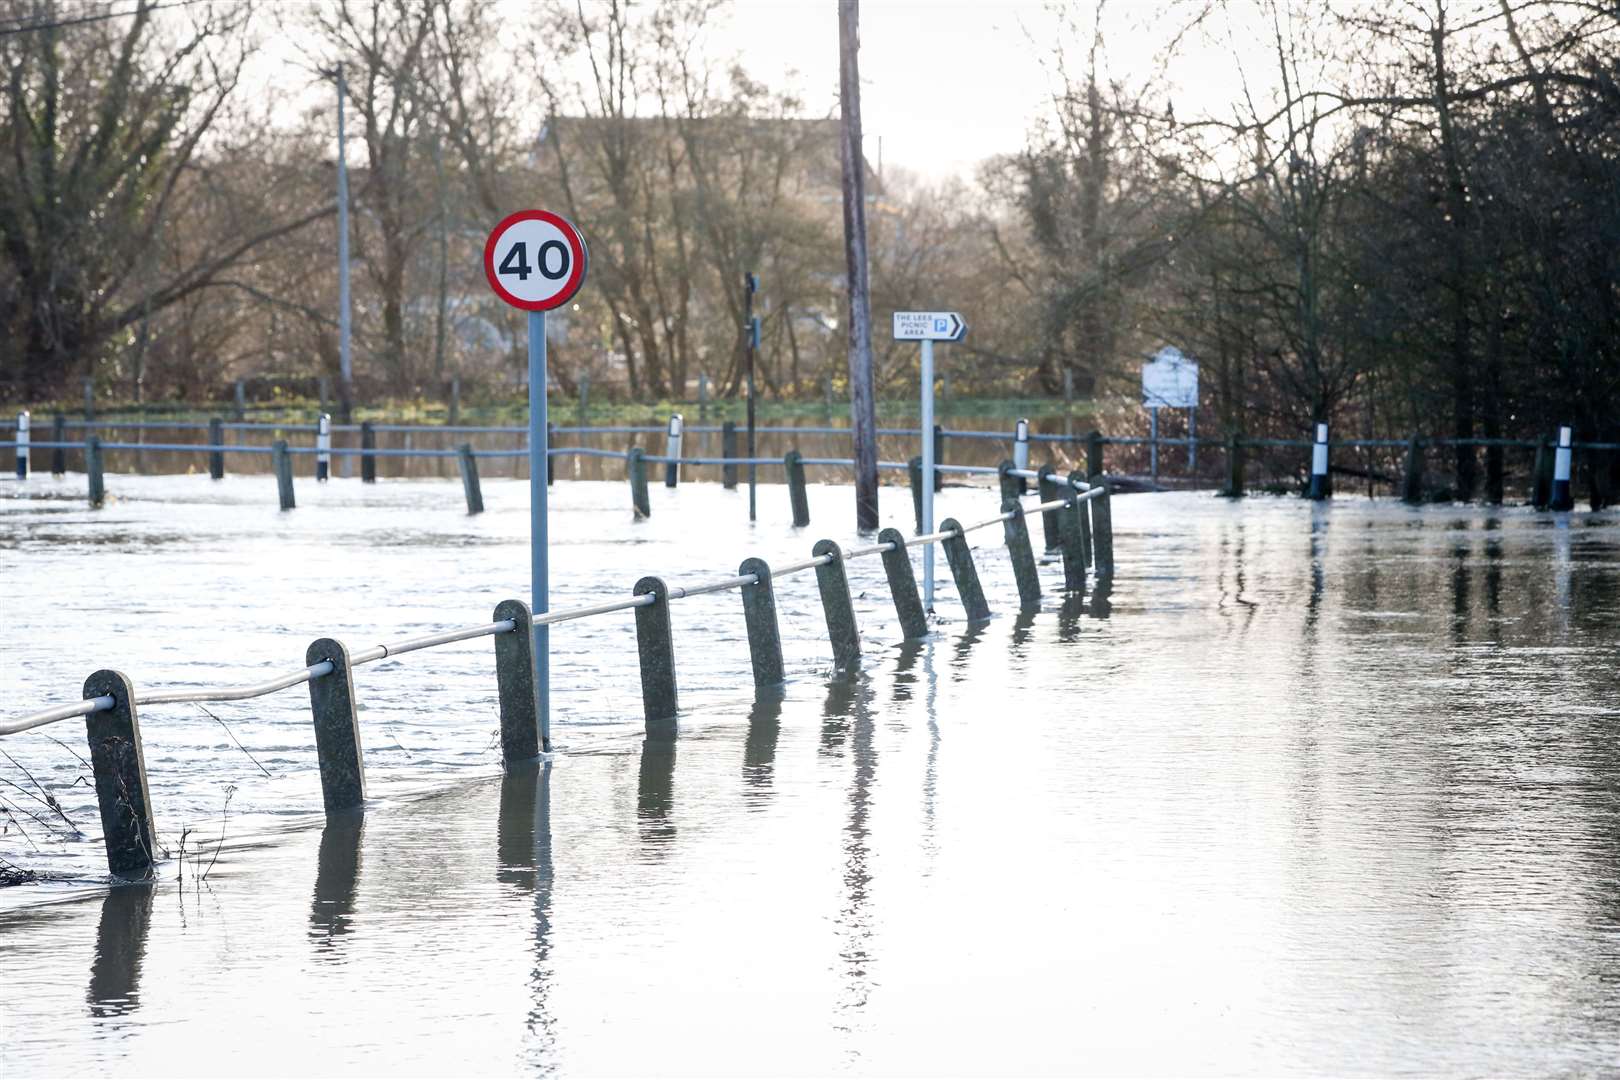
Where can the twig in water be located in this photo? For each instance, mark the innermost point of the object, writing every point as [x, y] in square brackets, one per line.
[6, 810]
[44, 796]
[234, 739]
[70, 750]
[224, 813]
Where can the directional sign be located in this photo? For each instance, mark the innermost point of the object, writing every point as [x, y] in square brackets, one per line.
[928, 326]
[535, 260]
[1170, 380]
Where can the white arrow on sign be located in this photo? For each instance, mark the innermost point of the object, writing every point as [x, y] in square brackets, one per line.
[928, 326]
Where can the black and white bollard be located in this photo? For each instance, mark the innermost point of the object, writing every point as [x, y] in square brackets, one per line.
[1320, 487]
[1563, 498]
[672, 450]
[323, 448]
[1020, 456]
[22, 445]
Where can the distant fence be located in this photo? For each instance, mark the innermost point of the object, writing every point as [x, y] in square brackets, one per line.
[1076, 516]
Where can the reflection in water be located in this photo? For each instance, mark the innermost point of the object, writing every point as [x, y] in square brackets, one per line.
[336, 875]
[523, 846]
[1461, 591]
[759, 752]
[655, 795]
[115, 975]
[959, 662]
[1319, 524]
[930, 844]
[905, 661]
[854, 920]
[1100, 607]
[1493, 574]
[1068, 616]
[841, 690]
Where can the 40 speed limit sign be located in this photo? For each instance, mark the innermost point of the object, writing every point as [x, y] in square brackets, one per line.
[535, 260]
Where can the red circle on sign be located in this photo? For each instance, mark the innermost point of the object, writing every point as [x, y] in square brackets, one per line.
[576, 244]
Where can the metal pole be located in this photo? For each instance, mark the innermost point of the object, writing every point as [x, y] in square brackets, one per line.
[750, 328]
[345, 365]
[927, 436]
[539, 448]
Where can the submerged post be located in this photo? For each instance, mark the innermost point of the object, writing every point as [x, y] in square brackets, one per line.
[337, 728]
[1020, 458]
[960, 558]
[1049, 489]
[833, 584]
[469, 478]
[119, 765]
[1094, 453]
[759, 613]
[323, 448]
[58, 452]
[1016, 531]
[793, 463]
[939, 457]
[1234, 466]
[914, 474]
[216, 458]
[1011, 486]
[368, 462]
[1082, 518]
[636, 468]
[1321, 488]
[1541, 476]
[672, 450]
[728, 450]
[92, 468]
[656, 648]
[22, 444]
[1074, 554]
[282, 461]
[523, 733]
[1563, 497]
[903, 584]
[1102, 529]
[1412, 479]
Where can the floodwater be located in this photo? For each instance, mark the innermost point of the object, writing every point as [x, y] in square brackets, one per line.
[1312, 789]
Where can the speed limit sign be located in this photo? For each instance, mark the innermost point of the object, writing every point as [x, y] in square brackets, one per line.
[535, 260]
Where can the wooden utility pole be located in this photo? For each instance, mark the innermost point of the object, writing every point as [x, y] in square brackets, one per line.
[862, 406]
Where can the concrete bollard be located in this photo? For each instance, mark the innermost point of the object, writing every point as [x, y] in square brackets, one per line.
[1541, 476]
[960, 558]
[914, 474]
[1102, 530]
[833, 583]
[759, 613]
[216, 458]
[656, 649]
[92, 468]
[1049, 489]
[1321, 486]
[23, 423]
[1011, 486]
[337, 728]
[1563, 497]
[1016, 531]
[636, 469]
[1083, 517]
[728, 450]
[282, 462]
[119, 765]
[521, 734]
[1020, 458]
[903, 584]
[1412, 478]
[58, 452]
[793, 463]
[1094, 453]
[1074, 552]
[939, 457]
[469, 478]
[1234, 466]
[672, 450]
[323, 448]
[368, 462]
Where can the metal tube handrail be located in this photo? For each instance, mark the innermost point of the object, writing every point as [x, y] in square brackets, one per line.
[234, 693]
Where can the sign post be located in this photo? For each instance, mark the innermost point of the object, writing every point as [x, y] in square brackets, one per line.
[536, 261]
[927, 327]
[751, 343]
[1170, 381]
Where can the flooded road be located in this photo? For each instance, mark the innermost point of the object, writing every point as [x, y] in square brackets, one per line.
[1312, 789]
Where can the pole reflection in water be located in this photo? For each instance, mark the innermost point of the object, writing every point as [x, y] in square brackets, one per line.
[655, 795]
[854, 919]
[523, 850]
[115, 974]
[337, 874]
[759, 749]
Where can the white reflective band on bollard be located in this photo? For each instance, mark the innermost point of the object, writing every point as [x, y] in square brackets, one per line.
[1561, 459]
[1319, 452]
[323, 447]
[1021, 445]
[672, 450]
[22, 445]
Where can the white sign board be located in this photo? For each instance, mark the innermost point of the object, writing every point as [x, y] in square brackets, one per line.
[928, 326]
[1170, 380]
[535, 260]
